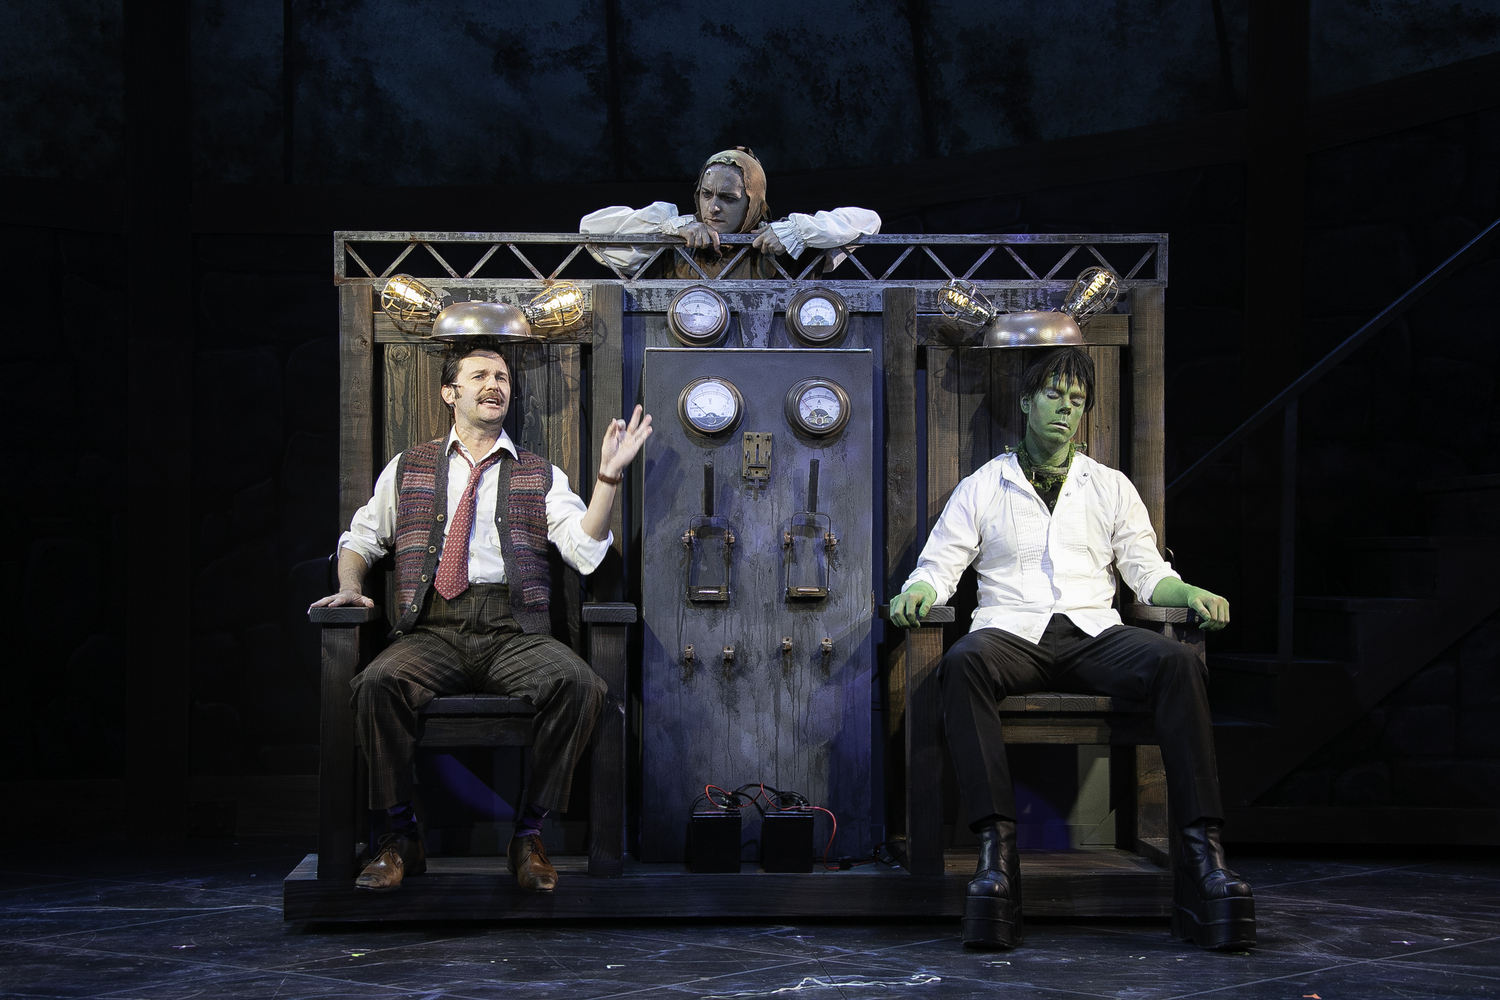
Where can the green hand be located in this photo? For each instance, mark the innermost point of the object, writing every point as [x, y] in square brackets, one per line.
[908, 607]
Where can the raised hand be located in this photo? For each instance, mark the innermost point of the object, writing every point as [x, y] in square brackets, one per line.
[622, 442]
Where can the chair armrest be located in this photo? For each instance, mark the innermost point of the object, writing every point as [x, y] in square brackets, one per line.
[610, 614]
[347, 615]
[1153, 613]
[938, 614]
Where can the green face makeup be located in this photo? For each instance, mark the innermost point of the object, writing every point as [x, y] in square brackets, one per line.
[1052, 419]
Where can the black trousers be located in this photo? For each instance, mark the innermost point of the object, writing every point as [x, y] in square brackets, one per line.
[989, 664]
[473, 644]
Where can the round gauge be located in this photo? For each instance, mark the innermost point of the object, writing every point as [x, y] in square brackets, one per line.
[817, 406]
[698, 316]
[817, 316]
[710, 405]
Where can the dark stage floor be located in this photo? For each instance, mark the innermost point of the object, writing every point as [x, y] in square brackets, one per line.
[202, 918]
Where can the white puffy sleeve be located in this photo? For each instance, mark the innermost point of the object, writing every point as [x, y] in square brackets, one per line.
[825, 230]
[657, 218]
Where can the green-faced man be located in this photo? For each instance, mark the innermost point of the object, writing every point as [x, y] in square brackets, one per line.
[1046, 529]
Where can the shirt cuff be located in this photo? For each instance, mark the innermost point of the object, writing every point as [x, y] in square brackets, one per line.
[918, 576]
[675, 225]
[588, 551]
[1154, 580]
[786, 232]
[370, 555]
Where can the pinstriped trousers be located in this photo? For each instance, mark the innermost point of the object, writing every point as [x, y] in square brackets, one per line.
[472, 644]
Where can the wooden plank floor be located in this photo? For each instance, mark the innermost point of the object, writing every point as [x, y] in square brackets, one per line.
[1086, 883]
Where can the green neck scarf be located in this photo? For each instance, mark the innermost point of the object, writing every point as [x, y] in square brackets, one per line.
[1045, 477]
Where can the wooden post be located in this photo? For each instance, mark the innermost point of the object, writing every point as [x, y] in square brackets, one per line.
[899, 354]
[924, 753]
[338, 799]
[1148, 437]
[900, 427]
[607, 401]
[607, 624]
[356, 380]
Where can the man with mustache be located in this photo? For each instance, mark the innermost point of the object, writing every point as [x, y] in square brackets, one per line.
[469, 517]
[1045, 527]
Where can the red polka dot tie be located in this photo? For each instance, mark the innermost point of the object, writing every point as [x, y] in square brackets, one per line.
[453, 564]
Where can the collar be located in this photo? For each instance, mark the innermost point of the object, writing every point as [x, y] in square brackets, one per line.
[504, 441]
[1010, 469]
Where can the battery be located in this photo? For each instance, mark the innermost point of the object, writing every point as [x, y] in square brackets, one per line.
[714, 841]
[786, 841]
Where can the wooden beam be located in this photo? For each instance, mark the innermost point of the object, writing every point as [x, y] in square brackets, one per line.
[1148, 437]
[356, 385]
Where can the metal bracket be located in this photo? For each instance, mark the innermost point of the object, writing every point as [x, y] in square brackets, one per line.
[756, 465]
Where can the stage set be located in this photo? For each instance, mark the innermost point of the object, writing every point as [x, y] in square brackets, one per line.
[778, 500]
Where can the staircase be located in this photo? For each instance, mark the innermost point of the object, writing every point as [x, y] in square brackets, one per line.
[1405, 600]
[1415, 596]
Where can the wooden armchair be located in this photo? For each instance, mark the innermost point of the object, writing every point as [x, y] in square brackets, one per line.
[470, 720]
[1138, 788]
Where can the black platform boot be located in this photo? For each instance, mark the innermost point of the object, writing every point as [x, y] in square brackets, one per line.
[1213, 907]
[992, 907]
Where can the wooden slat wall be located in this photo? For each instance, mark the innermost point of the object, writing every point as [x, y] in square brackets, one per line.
[1101, 425]
[356, 416]
[944, 462]
[973, 412]
[414, 407]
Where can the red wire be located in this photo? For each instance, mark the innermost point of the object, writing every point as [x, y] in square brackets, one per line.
[829, 846]
[763, 795]
[721, 791]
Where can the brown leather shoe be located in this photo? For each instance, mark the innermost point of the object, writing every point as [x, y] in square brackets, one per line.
[399, 856]
[529, 864]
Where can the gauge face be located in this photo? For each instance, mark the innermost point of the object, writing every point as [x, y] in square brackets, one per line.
[817, 406]
[710, 405]
[698, 316]
[817, 311]
[816, 316]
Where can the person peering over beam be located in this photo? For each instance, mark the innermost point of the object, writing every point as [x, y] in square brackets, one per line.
[469, 517]
[730, 197]
[1045, 527]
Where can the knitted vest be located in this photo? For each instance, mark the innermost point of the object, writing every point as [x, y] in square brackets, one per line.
[422, 478]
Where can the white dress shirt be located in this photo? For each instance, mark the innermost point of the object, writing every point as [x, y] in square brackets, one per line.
[797, 232]
[1033, 564]
[372, 532]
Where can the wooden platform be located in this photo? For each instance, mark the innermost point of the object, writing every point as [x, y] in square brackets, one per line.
[1085, 883]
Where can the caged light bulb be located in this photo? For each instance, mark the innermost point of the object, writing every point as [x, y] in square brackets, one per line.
[409, 303]
[1095, 290]
[962, 301]
[557, 307]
